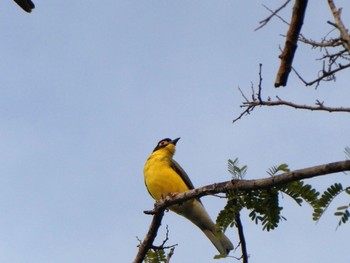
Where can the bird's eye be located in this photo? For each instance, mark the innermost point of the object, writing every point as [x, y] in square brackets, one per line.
[162, 143]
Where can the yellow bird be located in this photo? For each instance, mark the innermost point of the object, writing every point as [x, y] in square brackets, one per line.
[164, 176]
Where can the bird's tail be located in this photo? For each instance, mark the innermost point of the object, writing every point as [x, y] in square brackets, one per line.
[194, 211]
[219, 240]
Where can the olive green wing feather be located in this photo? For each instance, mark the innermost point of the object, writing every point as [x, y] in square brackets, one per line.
[178, 169]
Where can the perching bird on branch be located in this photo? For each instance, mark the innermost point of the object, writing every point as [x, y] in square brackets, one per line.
[164, 176]
[27, 5]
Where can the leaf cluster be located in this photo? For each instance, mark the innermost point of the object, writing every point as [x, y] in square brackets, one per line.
[325, 200]
[263, 204]
[155, 256]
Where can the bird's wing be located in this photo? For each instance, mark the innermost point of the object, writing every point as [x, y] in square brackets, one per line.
[178, 169]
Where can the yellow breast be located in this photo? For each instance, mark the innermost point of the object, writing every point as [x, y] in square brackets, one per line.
[160, 178]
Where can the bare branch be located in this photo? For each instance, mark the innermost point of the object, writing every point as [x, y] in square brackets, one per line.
[279, 102]
[325, 74]
[247, 111]
[339, 25]
[324, 43]
[273, 13]
[260, 83]
[247, 102]
[242, 94]
[290, 46]
[171, 253]
[254, 102]
[162, 246]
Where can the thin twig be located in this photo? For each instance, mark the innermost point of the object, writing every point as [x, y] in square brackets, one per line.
[324, 75]
[243, 94]
[260, 83]
[280, 102]
[247, 111]
[162, 246]
[274, 13]
[324, 43]
[340, 25]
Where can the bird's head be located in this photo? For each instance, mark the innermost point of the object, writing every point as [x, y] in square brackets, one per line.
[167, 144]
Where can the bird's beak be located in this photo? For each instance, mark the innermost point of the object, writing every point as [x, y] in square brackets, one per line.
[174, 141]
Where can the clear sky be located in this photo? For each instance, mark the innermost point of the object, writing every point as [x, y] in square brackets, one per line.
[88, 88]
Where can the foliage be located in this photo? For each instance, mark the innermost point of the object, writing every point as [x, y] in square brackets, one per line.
[343, 213]
[347, 152]
[237, 172]
[329, 195]
[263, 204]
[155, 256]
[326, 198]
[299, 191]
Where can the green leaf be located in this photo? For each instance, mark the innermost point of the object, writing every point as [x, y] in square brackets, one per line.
[275, 169]
[325, 200]
[155, 256]
[342, 207]
[237, 172]
[347, 190]
[300, 192]
[227, 216]
[347, 152]
[338, 213]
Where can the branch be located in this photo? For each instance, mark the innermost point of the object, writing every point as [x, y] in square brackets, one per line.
[319, 105]
[225, 187]
[291, 43]
[325, 74]
[151, 234]
[171, 253]
[242, 239]
[273, 13]
[247, 111]
[254, 102]
[339, 25]
[324, 43]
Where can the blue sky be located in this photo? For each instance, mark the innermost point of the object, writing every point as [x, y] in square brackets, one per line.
[88, 89]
